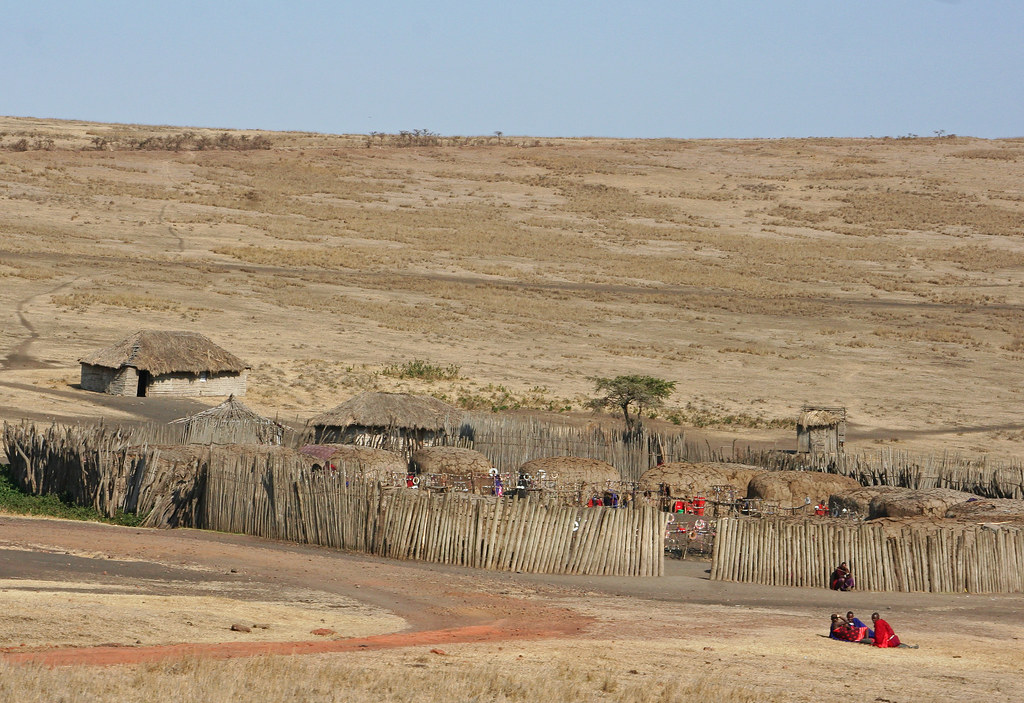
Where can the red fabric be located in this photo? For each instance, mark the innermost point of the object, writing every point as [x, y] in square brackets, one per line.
[884, 636]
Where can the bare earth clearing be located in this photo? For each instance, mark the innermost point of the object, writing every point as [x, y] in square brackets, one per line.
[882, 274]
[88, 593]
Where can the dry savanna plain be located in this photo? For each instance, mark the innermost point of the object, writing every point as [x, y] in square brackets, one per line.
[886, 275]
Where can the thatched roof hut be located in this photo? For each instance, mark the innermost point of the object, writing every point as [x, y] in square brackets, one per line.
[156, 362]
[365, 462]
[231, 422]
[791, 489]
[396, 421]
[821, 429]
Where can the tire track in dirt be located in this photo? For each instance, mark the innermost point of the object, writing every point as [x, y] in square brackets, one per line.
[173, 232]
[19, 357]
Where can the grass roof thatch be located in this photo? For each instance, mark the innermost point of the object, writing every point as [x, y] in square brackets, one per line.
[390, 410]
[161, 352]
[818, 418]
[231, 411]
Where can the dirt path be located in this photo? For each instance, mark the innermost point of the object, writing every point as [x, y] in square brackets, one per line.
[440, 605]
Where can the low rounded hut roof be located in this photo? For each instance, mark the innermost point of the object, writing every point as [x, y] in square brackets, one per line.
[689, 479]
[989, 510]
[565, 470]
[859, 499]
[390, 410]
[374, 464]
[162, 352]
[792, 488]
[449, 460]
[909, 502]
[818, 418]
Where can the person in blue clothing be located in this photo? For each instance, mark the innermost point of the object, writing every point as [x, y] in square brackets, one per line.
[856, 622]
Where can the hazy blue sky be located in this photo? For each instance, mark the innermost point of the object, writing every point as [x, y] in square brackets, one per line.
[679, 68]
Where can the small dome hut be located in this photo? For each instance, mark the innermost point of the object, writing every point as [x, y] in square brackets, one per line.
[449, 460]
[989, 510]
[462, 468]
[859, 499]
[909, 502]
[572, 472]
[231, 422]
[399, 422]
[683, 479]
[791, 489]
[364, 462]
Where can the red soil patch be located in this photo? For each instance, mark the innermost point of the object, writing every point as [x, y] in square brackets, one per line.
[106, 656]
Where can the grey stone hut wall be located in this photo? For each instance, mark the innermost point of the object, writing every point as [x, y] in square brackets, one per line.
[193, 385]
[102, 379]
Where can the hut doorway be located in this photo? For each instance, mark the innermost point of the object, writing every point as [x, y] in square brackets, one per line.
[144, 378]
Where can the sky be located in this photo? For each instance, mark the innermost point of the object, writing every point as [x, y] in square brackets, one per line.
[647, 68]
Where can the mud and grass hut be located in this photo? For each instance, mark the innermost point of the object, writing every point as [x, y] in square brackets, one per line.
[572, 474]
[682, 479]
[821, 429]
[231, 422]
[911, 502]
[449, 460]
[399, 422]
[791, 489]
[858, 500]
[989, 510]
[155, 362]
[364, 463]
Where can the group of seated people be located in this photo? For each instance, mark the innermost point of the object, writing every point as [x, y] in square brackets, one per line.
[851, 629]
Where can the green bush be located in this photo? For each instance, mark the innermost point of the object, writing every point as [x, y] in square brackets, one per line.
[15, 501]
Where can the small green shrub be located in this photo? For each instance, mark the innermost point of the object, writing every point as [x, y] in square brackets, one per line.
[422, 370]
[15, 501]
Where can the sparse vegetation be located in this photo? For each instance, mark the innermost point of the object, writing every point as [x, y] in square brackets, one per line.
[422, 370]
[15, 501]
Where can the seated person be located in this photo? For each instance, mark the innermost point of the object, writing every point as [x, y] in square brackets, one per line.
[842, 630]
[841, 579]
[884, 636]
[856, 622]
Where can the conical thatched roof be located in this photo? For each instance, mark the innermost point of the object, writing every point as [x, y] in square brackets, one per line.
[390, 410]
[818, 418]
[162, 352]
[231, 411]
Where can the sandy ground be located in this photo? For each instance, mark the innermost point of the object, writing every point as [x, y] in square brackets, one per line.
[884, 275]
[79, 593]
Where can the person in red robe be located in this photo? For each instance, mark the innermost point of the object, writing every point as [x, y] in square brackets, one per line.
[884, 636]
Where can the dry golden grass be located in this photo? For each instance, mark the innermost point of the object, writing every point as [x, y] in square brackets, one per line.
[719, 264]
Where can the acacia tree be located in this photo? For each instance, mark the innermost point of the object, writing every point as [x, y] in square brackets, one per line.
[623, 392]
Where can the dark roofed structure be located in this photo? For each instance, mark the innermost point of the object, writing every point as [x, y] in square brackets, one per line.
[154, 362]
